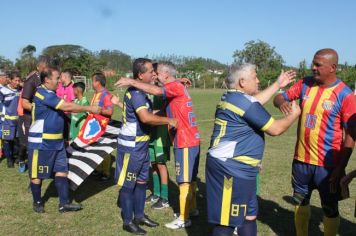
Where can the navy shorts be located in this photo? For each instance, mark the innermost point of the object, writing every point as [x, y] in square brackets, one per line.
[43, 163]
[9, 132]
[307, 177]
[186, 163]
[131, 167]
[230, 198]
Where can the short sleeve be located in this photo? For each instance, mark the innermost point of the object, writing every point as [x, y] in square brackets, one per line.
[294, 91]
[107, 104]
[258, 117]
[174, 89]
[348, 111]
[139, 101]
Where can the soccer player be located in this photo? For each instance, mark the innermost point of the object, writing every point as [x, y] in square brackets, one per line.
[9, 97]
[321, 153]
[236, 149]
[186, 137]
[77, 119]
[46, 152]
[132, 163]
[3, 82]
[102, 98]
[159, 150]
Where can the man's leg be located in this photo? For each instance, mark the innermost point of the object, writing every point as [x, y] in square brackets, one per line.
[8, 150]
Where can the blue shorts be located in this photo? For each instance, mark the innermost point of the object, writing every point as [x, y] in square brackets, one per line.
[307, 177]
[230, 198]
[131, 167]
[9, 132]
[187, 163]
[43, 163]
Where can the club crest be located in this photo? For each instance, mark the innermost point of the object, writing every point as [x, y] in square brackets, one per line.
[328, 105]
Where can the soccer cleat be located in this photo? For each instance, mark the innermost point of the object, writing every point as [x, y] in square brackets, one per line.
[70, 207]
[178, 224]
[38, 207]
[22, 167]
[152, 199]
[134, 229]
[160, 204]
[145, 221]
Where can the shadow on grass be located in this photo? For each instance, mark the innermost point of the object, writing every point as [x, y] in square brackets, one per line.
[90, 187]
[281, 221]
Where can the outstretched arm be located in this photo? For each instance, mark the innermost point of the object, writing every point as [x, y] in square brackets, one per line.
[147, 88]
[283, 80]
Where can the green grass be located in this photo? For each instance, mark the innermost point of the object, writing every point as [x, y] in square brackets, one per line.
[100, 215]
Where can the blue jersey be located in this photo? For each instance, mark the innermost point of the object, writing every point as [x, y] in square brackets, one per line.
[9, 99]
[238, 135]
[46, 132]
[134, 135]
[2, 111]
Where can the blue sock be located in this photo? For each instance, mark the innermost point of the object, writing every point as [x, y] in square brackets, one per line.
[140, 196]
[36, 192]
[248, 228]
[126, 203]
[221, 230]
[62, 189]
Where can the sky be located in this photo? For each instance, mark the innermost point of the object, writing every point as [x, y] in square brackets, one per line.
[201, 28]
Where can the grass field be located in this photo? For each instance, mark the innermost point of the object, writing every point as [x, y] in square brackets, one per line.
[100, 215]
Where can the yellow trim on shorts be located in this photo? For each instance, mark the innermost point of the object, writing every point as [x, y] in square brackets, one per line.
[11, 117]
[268, 124]
[122, 176]
[59, 104]
[34, 164]
[226, 201]
[186, 165]
[40, 96]
[140, 108]
[52, 136]
[143, 138]
[248, 160]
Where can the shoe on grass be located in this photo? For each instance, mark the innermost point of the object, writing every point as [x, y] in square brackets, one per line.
[178, 224]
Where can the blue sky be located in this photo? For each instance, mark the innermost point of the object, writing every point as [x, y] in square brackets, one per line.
[207, 28]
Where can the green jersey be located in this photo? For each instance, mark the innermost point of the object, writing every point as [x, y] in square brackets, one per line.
[77, 119]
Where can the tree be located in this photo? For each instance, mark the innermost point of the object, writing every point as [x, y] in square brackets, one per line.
[27, 61]
[261, 54]
[6, 64]
[114, 60]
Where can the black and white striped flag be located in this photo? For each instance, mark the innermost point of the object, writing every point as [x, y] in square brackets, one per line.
[84, 158]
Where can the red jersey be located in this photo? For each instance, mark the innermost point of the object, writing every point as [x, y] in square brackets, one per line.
[102, 99]
[326, 112]
[180, 107]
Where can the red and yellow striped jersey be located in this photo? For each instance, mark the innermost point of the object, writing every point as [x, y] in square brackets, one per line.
[326, 113]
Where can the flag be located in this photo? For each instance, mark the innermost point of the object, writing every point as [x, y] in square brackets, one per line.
[96, 140]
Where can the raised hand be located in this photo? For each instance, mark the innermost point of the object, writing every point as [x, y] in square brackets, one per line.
[286, 78]
[123, 82]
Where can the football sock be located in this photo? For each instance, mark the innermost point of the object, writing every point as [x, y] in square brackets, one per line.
[36, 192]
[62, 189]
[164, 191]
[126, 202]
[140, 196]
[184, 198]
[248, 228]
[331, 225]
[156, 184]
[301, 219]
[193, 200]
[221, 230]
[106, 166]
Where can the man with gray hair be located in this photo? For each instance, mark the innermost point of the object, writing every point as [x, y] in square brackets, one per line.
[186, 136]
[236, 149]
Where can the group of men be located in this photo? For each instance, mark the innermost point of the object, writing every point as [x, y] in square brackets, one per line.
[326, 116]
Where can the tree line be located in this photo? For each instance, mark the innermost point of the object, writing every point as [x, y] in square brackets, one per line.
[204, 72]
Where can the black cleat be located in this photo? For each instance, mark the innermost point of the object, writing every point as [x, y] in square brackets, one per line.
[38, 207]
[145, 221]
[134, 229]
[70, 207]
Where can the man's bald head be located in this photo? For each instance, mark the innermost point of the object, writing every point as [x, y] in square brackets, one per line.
[329, 54]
